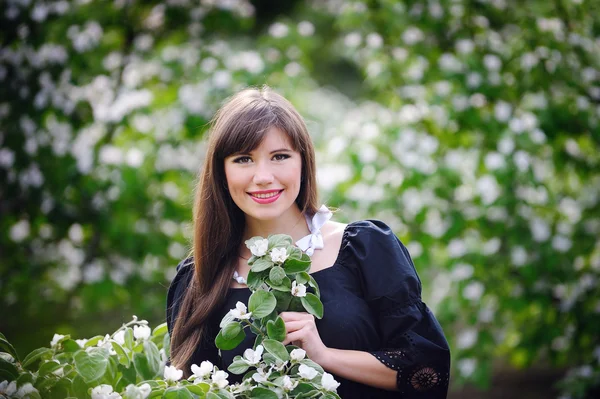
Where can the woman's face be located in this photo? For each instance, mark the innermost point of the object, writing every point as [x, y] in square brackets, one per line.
[265, 183]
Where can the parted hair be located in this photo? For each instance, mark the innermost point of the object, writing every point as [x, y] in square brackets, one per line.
[238, 126]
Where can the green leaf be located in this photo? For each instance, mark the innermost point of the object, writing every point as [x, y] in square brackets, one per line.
[24, 378]
[293, 265]
[226, 319]
[255, 280]
[313, 305]
[167, 345]
[261, 303]
[262, 393]
[261, 264]
[48, 367]
[277, 349]
[128, 374]
[129, 341]
[156, 394]
[160, 330]
[283, 300]
[231, 330]
[295, 252]
[7, 347]
[153, 356]
[295, 304]
[93, 341]
[313, 283]
[8, 371]
[238, 367]
[121, 354]
[80, 388]
[211, 395]
[70, 345]
[142, 367]
[302, 387]
[229, 344]
[285, 286]
[199, 389]
[91, 366]
[277, 274]
[279, 240]
[276, 329]
[177, 393]
[302, 278]
[35, 355]
[224, 394]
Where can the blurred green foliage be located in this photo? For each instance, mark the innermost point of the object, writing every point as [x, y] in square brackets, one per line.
[470, 126]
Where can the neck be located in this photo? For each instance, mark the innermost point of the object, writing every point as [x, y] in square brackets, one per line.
[291, 223]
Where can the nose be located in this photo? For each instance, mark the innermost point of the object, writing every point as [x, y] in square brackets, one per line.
[263, 175]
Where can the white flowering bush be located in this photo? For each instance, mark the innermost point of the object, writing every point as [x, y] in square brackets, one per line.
[131, 363]
[471, 130]
[128, 364]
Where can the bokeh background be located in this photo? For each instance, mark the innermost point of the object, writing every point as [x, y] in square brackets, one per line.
[469, 126]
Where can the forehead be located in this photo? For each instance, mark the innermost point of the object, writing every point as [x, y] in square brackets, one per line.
[275, 138]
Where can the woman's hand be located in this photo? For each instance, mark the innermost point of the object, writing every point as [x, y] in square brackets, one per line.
[302, 331]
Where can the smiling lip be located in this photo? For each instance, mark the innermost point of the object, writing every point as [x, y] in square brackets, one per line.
[265, 196]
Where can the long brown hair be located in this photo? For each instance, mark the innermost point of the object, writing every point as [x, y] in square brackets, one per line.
[238, 126]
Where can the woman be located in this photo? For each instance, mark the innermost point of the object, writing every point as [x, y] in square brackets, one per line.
[376, 337]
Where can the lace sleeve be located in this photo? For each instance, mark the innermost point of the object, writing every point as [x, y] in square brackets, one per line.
[415, 347]
[412, 341]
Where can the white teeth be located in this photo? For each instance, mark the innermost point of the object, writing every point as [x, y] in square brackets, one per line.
[263, 196]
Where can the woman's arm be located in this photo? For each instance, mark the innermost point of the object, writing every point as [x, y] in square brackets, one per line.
[358, 366]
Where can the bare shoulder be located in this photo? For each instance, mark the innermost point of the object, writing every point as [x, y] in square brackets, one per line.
[333, 233]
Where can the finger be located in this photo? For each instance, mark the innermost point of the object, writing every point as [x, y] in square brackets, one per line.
[291, 326]
[296, 316]
[295, 336]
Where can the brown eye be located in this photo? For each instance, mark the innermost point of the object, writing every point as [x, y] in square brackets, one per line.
[243, 159]
[281, 157]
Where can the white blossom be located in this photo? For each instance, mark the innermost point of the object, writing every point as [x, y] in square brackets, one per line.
[467, 338]
[240, 312]
[298, 290]
[540, 229]
[279, 255]
[466, 367]
[119, 337]
[220, 379]
[297, 354]
[253, 357]
[260, 247]
[288, 384]
[278, 30]
[204, 370]
[8, 388]
[172, 373]
[306, 28]
[55, 339]
[518, 256]
[328, 382]
[473, 291]
[261, 375]
[104, 391]
[135, 392]
[27, 389]
[19, 231]
[307, 372]
[141, 332]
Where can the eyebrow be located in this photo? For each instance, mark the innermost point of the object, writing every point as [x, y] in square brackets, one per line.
[272, 152]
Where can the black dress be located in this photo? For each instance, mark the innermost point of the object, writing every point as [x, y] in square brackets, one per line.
[372, 301]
